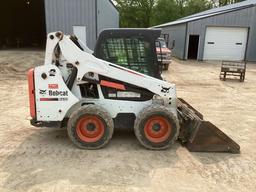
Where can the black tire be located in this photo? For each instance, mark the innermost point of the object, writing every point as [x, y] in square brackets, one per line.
[95, 118]
[147, 115]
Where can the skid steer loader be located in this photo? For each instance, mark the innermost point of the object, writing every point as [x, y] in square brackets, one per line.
[121, 88]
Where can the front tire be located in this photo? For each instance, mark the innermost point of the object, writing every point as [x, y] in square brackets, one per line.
[156, 127]
[90, 127]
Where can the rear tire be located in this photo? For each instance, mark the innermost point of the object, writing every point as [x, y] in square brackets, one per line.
[90, 127]
[156, 127]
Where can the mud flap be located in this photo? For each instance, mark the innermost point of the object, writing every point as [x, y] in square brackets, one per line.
[202, 136]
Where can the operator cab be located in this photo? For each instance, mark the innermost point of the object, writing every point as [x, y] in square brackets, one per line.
[134, 49]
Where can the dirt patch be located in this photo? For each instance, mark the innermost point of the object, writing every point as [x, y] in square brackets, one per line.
[15, 64]
[43, 159]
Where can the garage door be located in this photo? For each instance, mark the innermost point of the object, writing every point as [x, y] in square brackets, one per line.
[225, 43]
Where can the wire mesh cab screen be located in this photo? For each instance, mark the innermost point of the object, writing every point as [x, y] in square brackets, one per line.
[133, 53]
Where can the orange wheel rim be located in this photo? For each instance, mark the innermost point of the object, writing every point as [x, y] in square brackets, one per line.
[157, 129]
[90, 129]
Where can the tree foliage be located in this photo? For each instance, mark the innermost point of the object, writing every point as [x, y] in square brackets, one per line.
[196, 6]
[135, 13]
[165, 11]
[146, 13]
[227, 2]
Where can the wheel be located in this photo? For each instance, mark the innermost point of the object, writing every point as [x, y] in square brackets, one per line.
[90, 127]
[156, 127]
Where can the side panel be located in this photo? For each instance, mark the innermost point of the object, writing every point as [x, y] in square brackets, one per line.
[177, 34]
[53, 98]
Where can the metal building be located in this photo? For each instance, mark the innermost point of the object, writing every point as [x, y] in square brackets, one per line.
[225, 33]
[85, 18]
[28, 21]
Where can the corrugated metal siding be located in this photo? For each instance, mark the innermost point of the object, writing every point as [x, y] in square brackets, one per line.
[241, 18]
[212, 12]
[177, 33]
[62, 15]
[251, 48]
[108, 16]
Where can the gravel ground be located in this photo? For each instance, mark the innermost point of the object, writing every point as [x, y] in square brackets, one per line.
[44, 160]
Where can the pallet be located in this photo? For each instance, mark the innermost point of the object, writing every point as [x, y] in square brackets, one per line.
[233, 68]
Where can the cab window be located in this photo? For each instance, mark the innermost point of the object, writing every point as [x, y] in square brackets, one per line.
[132, 53]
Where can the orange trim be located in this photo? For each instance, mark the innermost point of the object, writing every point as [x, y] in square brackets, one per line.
[31, 90]
[112, 85]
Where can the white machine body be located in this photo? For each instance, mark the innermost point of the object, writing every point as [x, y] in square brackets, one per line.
[91, 97]
[55, 101]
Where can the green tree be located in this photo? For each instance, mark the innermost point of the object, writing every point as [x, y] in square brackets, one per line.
[146, 10]
[146, 13]
[196, 6]
[135, 13]
[165, 11]
[170, 10]
[227, 2]
[181, 4]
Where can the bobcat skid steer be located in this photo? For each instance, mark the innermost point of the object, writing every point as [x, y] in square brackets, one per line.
[92, 96]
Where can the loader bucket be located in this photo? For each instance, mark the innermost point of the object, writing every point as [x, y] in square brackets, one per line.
[198, 135]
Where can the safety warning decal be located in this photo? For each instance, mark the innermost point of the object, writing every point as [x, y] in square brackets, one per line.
[53, 86]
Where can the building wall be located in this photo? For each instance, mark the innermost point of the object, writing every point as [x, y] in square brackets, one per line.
[107, 14]
[176, 33]
[242, 18]
[62, 15]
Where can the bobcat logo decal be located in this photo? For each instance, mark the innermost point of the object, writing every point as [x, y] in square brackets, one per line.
[165, 89]
[42, 92]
